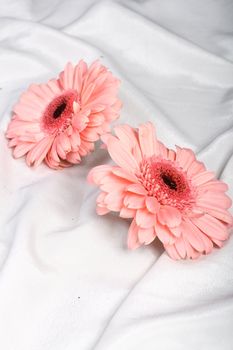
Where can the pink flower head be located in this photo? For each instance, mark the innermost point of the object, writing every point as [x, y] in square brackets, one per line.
[168, 194]
[59, 122]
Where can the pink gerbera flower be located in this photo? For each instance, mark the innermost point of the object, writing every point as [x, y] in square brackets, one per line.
[59, 122]
[168, 194]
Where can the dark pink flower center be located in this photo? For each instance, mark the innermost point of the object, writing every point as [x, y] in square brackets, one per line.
[166, 182]
[59, 110]
[58, 114]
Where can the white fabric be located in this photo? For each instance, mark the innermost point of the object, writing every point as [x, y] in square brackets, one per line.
[67, 280]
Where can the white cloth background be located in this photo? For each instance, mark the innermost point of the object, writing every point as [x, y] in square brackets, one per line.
[67, 280]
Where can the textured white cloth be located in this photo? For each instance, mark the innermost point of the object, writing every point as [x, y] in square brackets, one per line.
[67, 281]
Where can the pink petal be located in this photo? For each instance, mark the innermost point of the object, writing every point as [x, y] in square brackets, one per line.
[146, 235]
[80, 121]
[54, 86]
[51, 162]
[75, 141]
[180, 247]
[127, 136]
[106, 137]
[101, 210]
[172, 252]
[73, 157]
[31, 99]
[101, 197]
[147, 139]
[23, 148]
[37, 90]
[211, 227]
[85, 148]
[145, 219]
[87, 93]
[96, 119]
[218, 242]
[171, 155]
[111, 183]
[195, 168]
[53, 151]
[192, 235]
[169, 216]
[208, 244]
[176, 231]
[69, 131]
[163, 234]
[191, 252]
[185, 157]
[79, 72]
[60, 150]
[134, 201]
[121, 155]
[97, 173]
[67, 76]
[124, 174]
[27, 113]
[64, 141]
[114, 201]
[152, 204]
[214, 200]
[163, 150]
[104, 98]
[213, 186]
[90, 134]
[137, 188]
[100, 81]
[17, 128]
[220, 214]
[37, 154]
[31, 137]
[13, 142]
[202, 178]
[132, 241]
[98, 108]
[127, 213]
[46, 89]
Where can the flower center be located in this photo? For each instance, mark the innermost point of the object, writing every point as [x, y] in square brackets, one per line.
[166, 182]
[169, 182]
[59, 110]
[58, 114]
